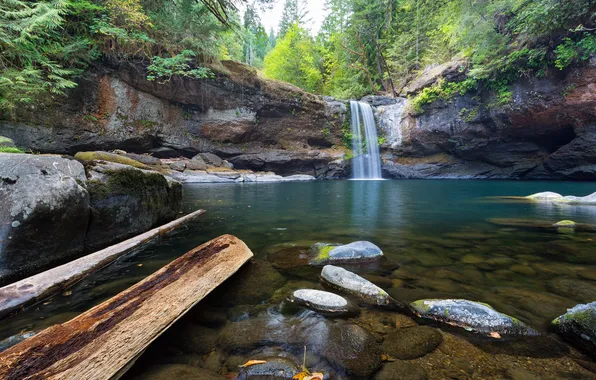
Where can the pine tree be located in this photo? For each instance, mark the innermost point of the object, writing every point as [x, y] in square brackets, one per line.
[295, 12]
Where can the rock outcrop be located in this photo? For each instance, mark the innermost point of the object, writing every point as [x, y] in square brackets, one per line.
[53, 209]
[578, 325]
[44, 206]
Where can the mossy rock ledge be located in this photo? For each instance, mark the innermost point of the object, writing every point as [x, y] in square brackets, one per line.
[126, 201]
[578, 326]
[472, 316]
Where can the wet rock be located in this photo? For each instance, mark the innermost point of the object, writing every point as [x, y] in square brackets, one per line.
[44, 211]
[213, 361]
[376, 100]
[359, 251]
[565, 224]
[126, 201]
[523, 269]
[274, 369]
[179, 166]
[587, 200]
[251, 333]
[578, 325]
[579, 290]
[348, 282]
[192, 338]
[196, 163]
[401, 370]
[178, 371]
[478, 317]
[355, 349]
[254, 283]
[530, 304]
[412, 343]
[326, 303]
[545, 196]
[15, 339]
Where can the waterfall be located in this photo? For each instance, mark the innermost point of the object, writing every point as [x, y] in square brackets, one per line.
[365, 164]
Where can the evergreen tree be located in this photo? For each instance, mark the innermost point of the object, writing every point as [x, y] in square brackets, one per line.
[295, 12]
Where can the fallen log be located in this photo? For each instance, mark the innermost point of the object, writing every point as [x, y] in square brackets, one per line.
[102, 342]
[22, 293]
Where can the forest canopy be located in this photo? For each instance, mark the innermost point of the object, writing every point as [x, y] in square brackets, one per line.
[364, 46]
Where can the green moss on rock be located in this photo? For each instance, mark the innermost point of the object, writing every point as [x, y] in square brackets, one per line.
[86, 157]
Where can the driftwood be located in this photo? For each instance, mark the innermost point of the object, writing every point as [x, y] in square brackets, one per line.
[102, 342]
[15, 296]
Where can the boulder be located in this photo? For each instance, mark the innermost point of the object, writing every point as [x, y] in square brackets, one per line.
[578, 325]
[359, 251]
[355, 349]
[401, 370]
[45, 211]
[179, 166]
[126, 201]
[5, 142]
[377, 100]
[473, 316]
[178, 371]
[451, 71]
[143, 158]
[89, 157]
[545, 196]
[345, 281]
[411, 343]
[196, 163]
[274, 369]
[211, 159]
[326, 303]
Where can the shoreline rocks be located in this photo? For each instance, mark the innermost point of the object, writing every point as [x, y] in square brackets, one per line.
[588, 200]
[326, 303]
[472, 316]
[345, 281]
[578, 326]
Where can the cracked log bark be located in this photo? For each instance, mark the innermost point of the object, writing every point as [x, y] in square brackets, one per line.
[102, 342]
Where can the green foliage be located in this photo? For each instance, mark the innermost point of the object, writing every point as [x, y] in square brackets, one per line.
[441, 90]
[10, 149]
[295, 60]
[163, 69]
[570, 51]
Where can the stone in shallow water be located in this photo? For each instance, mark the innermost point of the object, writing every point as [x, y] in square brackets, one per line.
[412, 343]
[578, 325]
[401, 370]
[354, 349]
[359, 251]
[326, 303]
[346, 281]
[578, 290]
[476, 316]
[544, 196]
[274, 368]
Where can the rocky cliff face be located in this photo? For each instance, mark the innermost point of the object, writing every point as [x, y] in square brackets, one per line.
[260, 124]
[547, 132]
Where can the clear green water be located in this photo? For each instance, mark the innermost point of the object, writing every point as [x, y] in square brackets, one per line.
[438, 232]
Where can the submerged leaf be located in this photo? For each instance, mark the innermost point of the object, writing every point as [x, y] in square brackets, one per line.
[253, 362]
[387, 358]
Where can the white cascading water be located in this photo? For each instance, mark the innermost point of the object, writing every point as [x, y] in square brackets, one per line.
[365, 164]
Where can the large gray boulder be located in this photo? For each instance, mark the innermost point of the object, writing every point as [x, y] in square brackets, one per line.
[126, 201]
[473, 316]
[44, 212]
[578, 325]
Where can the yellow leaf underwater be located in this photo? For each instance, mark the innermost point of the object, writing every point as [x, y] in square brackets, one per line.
[387, 358]
[253, 362]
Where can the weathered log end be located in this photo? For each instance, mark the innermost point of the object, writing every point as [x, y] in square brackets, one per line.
[100, 342]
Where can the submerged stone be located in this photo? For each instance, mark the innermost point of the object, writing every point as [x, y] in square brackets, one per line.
[578, 325]
[401, 370]
[359, 251]
[474, 316]
[355, 349]
[273, 368]
[323, 302]
[412, 343]
[544, 196]
[346, 281]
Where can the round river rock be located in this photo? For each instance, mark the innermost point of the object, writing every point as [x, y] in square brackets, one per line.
[326, 303]
[412, 343]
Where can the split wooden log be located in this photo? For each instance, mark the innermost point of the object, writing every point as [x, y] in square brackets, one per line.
[102, 342]
[22, 293]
